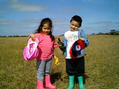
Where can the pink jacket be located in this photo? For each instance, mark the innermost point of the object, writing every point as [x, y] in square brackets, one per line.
[46, 46]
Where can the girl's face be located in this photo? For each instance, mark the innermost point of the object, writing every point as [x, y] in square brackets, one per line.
[46, 28]
[74, 25]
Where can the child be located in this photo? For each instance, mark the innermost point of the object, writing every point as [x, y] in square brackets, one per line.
[46, 47]
[74, 66]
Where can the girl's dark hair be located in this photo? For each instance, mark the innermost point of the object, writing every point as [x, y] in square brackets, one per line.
[77, 19]
[43, 21]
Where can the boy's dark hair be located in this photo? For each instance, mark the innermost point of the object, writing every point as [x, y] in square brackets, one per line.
[77, 18]
[43, 21]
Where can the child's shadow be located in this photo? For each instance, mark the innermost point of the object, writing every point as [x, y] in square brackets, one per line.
[84, 78]
[56, 76]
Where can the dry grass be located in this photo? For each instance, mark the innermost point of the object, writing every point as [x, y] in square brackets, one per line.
[101, 60]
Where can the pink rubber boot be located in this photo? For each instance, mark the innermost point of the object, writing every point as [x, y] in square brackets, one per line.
[48, 83]
[39, 84]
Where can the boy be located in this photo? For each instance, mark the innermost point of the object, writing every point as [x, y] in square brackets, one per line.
[74, 65]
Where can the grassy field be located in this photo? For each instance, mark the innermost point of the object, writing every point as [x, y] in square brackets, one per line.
[101, 61]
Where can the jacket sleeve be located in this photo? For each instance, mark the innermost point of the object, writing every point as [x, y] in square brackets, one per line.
[85, 37]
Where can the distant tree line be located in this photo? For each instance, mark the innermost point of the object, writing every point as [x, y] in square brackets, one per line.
[15, 36]
[112, 32]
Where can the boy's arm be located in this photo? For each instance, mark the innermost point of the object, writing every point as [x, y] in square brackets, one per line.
[84, 37]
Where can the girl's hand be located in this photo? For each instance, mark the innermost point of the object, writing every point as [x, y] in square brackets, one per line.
[56, 60]
[81, 38]
[32, 36]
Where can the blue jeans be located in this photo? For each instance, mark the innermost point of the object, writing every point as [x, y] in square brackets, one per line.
[43, 68]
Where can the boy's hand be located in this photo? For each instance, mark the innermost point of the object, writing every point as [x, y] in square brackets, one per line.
[81, 38]
[56, 60]
[32, 36]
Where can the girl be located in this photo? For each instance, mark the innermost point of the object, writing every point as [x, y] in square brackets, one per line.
[46, 47]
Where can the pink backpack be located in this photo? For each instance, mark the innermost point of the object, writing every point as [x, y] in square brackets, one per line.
[31, 51]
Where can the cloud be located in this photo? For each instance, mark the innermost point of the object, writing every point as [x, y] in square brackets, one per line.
[33, 20]
[1, 11]
[26, 8]
[95, 1]
[105, 22]
[12, 24]
[22, 7]
[59, 20]
[10, 27]
[4, 21]
[92, 0]
[87, 0]
[101, 26]
[69, 10]
[102, 22]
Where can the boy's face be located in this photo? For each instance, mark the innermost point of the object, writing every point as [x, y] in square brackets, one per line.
[74, 25]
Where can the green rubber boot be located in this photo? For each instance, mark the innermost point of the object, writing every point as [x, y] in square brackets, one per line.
[71, 82]
[80, 80]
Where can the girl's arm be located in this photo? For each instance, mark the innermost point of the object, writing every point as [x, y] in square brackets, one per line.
[55, 44]
[32, 36]
[55, 57]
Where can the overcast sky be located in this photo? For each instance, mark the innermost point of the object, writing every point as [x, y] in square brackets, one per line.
[22, 17]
